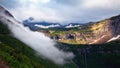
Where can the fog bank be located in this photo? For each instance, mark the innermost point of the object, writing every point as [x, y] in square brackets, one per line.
[36, 40]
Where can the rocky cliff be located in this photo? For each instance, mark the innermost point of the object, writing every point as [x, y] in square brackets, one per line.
[93, 33]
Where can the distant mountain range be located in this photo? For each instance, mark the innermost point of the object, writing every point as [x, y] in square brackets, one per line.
[45, 25]
[74, 33]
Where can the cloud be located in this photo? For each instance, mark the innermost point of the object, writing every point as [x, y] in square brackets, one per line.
[71, 26]
[42, 44]
[103, 4]
[69, 2]
[49, 26]
[11, 3]
[64, 11]
[38, 13]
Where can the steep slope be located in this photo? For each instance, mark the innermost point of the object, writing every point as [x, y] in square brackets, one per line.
[15, 54]
[92, 33]
[106, 29]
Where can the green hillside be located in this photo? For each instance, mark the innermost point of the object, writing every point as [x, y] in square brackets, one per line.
[17, 55]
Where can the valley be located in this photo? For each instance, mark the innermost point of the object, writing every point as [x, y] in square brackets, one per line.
[87, 42]
[21, 56]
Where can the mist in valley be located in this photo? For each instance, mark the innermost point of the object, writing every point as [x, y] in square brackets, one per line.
[43, 45]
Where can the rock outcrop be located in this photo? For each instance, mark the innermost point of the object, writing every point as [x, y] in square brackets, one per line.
[95, 33]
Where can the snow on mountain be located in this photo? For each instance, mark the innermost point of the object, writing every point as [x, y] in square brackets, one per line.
[114, 38]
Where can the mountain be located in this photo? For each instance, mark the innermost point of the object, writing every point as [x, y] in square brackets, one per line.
[46, 25]
[16, 54]
[39, 25]
[90, 33]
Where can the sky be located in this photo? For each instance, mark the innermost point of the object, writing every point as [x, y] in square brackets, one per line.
[63, 11]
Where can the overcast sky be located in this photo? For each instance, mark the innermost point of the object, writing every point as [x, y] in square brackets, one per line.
[63, 11]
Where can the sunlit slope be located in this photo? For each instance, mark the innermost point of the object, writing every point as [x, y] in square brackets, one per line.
[90, 33]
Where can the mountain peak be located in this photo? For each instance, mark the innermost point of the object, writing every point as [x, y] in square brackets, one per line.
[5, 12]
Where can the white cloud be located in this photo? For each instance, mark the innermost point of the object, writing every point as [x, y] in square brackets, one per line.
[66, 11]
[38, 13]
[49, 26]
[70, 26]
[43, 1]
[36, 40]
[34, 1]
[105, 4]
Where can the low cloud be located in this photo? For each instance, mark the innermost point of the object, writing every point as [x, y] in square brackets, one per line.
[43, 45]
[49, 26]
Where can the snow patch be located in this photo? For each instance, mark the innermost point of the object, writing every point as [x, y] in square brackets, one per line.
[114, 38]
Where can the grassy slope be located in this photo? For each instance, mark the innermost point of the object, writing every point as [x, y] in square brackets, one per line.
[63, 31]
[87, 30]
[17, 55]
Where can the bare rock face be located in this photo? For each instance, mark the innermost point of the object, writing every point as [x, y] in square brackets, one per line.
[115, 25]
[101, 32]
[110, 28]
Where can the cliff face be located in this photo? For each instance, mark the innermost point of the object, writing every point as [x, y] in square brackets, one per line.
[110, 28]
[95, 33]
[101, 32]
[115, 25]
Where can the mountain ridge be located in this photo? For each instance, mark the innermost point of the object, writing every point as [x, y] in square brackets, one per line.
[16, 54]
[93, 33]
